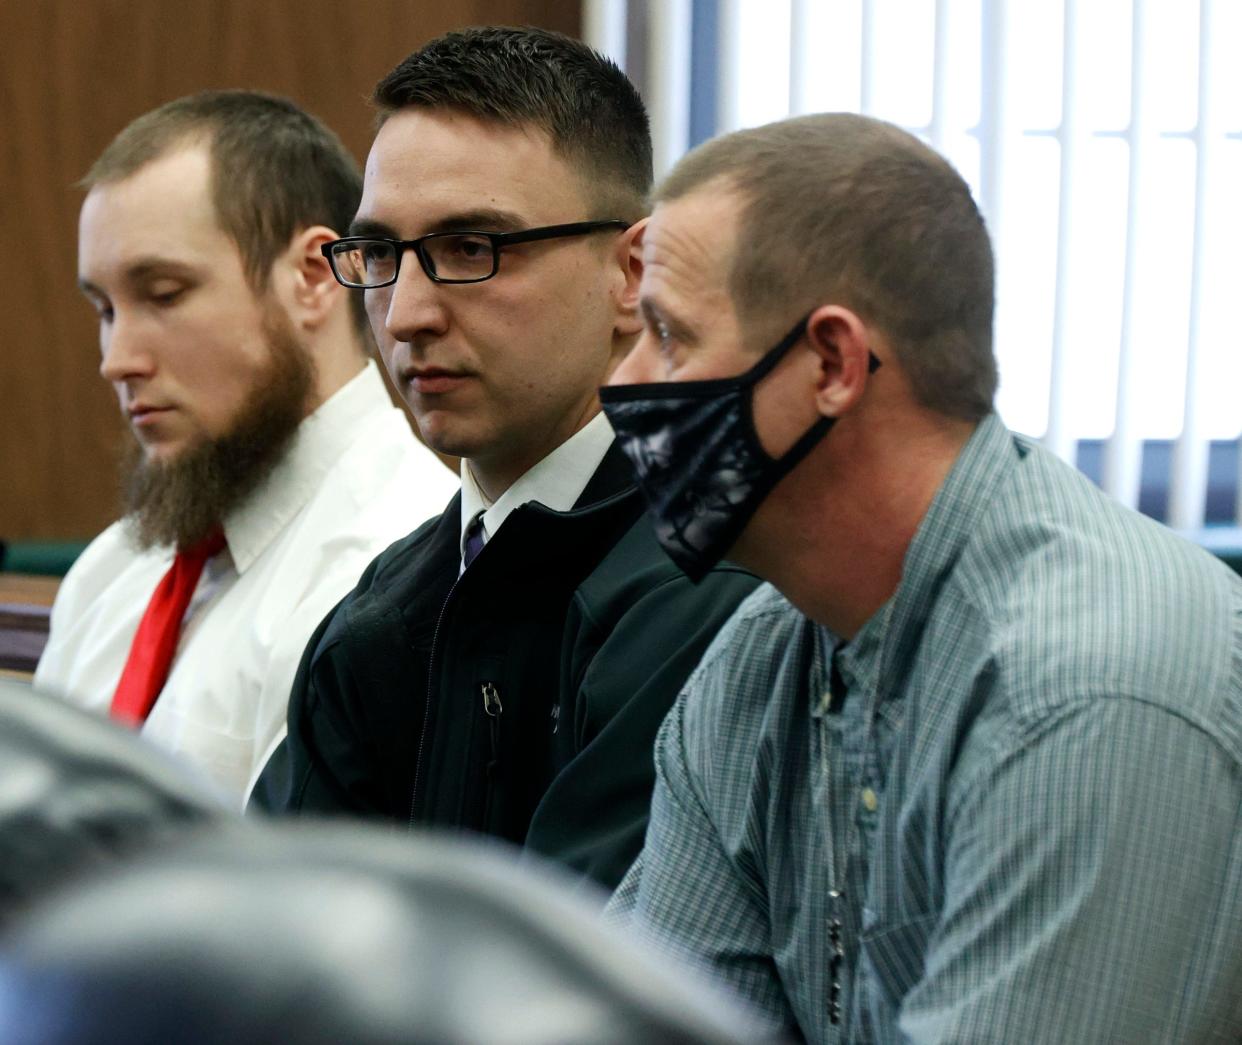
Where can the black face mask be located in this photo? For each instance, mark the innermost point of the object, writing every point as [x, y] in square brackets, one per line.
[698, 459]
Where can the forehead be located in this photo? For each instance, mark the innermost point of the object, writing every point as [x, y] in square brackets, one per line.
[428, 165]
[688, 250]
[162, 210]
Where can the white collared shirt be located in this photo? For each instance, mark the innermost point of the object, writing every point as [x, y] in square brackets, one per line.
[556, 482]
[353, 481]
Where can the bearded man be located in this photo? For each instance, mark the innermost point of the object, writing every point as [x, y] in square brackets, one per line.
[269, 466]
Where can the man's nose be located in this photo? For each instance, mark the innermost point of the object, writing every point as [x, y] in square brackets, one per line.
[415, 303]
[124, 352]
[641, 365]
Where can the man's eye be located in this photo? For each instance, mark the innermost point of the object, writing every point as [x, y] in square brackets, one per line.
[102, 309]
[166, 296]
[470, 248]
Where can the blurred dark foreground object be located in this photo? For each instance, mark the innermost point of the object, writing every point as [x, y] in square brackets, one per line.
[78, 793]
[307, 934]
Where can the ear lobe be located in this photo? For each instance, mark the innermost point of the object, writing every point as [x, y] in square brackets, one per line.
[841, 341]
[629, 259]
[315, 290]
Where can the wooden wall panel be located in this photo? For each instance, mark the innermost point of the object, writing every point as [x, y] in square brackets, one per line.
[74, 72]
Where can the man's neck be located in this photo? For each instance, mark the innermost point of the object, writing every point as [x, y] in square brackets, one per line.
[494, 474]
[556, 481]
[835, 547]
[332, 373]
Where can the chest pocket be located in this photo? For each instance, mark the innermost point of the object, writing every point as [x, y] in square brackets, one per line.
[227, 756]
[892, 957]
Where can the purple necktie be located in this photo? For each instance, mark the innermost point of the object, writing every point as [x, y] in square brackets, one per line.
[474, 539]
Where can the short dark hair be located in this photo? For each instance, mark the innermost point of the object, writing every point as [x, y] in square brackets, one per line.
[275, 170]
[578, 97]
[844, 205]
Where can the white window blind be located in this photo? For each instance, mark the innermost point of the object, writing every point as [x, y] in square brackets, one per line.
[1103, 141]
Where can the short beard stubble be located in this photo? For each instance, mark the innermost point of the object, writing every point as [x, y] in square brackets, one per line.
[182, 501]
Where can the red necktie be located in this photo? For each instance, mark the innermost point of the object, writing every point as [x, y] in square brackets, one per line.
[151, 655]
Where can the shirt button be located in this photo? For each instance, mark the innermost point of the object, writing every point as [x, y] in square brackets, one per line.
[869, 800]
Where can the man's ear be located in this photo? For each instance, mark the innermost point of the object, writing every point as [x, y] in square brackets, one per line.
[313, 292]
[842, 343]
[629, 258]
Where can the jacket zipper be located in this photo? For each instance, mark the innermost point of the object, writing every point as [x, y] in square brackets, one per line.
[494, 709]
[431, 667]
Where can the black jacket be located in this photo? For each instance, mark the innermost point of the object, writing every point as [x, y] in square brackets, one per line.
[520, 699]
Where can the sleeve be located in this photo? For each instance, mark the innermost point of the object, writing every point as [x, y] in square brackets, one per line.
[594, 814]
[686, 896]
[294, 767]
[1093, 889]
[302, 625]
[85, 580]
[324, 764]
[50, 672]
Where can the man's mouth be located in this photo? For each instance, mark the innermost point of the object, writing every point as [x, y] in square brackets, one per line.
[145, 413]
[433, 380]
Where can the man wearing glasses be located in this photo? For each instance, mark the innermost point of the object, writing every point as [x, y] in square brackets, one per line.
[268, 465]
[504, 669]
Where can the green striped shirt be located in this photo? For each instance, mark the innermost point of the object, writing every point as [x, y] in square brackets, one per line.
[1030, 783]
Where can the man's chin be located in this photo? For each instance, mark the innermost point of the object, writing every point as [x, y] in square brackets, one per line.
[165, 453]
[445, 437]
[746, 551]
[180, 487]
[167, 496]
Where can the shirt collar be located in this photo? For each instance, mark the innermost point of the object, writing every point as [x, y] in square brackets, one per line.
[556, 482]
[314, 451]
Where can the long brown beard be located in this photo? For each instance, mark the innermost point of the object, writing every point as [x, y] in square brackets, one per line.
[180, 502]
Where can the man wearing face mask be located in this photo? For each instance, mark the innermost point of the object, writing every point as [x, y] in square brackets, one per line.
[969, 769]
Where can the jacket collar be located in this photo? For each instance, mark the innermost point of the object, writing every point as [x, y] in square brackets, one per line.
[614, 477]
[557, 481]
[535, 541]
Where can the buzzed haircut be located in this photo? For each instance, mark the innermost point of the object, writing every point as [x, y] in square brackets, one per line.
[533, 77]
[840, 207]
[275, 170]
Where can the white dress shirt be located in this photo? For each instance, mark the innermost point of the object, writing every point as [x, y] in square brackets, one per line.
[353, 481]
[556, 482]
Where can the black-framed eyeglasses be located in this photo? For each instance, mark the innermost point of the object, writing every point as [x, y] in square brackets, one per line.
[367, 262]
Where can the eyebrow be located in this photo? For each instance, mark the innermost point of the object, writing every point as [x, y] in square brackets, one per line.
[367, 227]
[89, 289]
[654, 314]
[142, 269]
[482, 219]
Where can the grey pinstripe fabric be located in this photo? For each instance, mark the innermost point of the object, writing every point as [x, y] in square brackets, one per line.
[1048, 715]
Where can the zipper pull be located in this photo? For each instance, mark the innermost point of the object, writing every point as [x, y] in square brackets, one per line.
[491, 704]
[491, 699]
